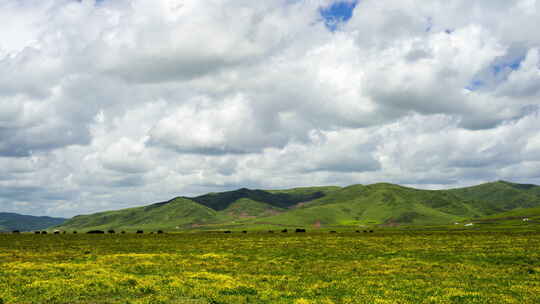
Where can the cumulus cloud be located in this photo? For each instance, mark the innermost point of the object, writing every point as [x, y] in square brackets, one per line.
[112, 104]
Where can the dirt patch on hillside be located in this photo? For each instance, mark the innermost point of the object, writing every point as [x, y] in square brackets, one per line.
[242, 215]
[299, 205]
[390, 223]
[272, 212]
[245, 215]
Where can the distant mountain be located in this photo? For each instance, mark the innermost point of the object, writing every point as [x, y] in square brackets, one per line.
[213, 209]
[14, 221]
[377, 204]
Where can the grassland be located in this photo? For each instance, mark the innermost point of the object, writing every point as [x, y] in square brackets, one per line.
[346, 267]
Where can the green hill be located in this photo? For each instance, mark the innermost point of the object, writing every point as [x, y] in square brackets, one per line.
[282, 199]
[14, 221]
[380, 204]
[178, 212]
[500, 196]
[247, 208]
[356, 205]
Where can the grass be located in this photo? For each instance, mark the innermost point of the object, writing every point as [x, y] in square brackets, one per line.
[383, 267]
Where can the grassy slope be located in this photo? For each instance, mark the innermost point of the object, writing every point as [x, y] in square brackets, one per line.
[512, 218]
[282, 199]
[500, 196]
[245, 208]
[328, 206]
[531, 213]
[378, 204]
[178, 212]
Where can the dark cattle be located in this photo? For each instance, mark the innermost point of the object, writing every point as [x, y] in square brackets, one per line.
[160, 232]
[357, 231]
[333, 231]
[75, 232]
[123, 232]
[244, 231]
[371, 231]
[270, 231]
[57, 232]
[37, 232]
[365, 231]
[284, 231]
[300, 230]
[16, 231]
[226, 231]
[111, 231]
[140, 232]
[43, 232]
[96, 232]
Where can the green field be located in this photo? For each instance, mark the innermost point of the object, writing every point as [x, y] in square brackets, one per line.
[345, 267]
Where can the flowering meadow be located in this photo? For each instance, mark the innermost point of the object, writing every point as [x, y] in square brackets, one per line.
[261, 267]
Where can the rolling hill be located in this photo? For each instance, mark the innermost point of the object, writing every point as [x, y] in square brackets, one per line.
[14, 221]
[357, 205]
[500, 196]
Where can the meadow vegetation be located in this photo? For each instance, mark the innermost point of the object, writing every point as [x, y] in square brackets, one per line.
[315, 267]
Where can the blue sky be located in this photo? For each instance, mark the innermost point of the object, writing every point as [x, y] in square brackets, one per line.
[497, 72]
[513, 64]
[338, 13]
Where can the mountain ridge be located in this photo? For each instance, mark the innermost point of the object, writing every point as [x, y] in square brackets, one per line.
[14, 221]
[354, 205]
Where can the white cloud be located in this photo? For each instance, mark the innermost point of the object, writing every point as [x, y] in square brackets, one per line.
[121, 103]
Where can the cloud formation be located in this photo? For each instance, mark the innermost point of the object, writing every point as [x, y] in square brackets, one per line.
[111, 104]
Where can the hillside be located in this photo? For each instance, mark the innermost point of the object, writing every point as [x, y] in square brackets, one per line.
[178, 212]
[380, 204]
[281, 199]
[518, 217]
[356, 205]
[500, 196]
[14, 221]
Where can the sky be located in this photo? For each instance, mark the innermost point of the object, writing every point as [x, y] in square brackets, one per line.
[113, 104]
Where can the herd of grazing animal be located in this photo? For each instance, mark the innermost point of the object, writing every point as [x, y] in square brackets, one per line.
[297, 230]
[111, 231]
